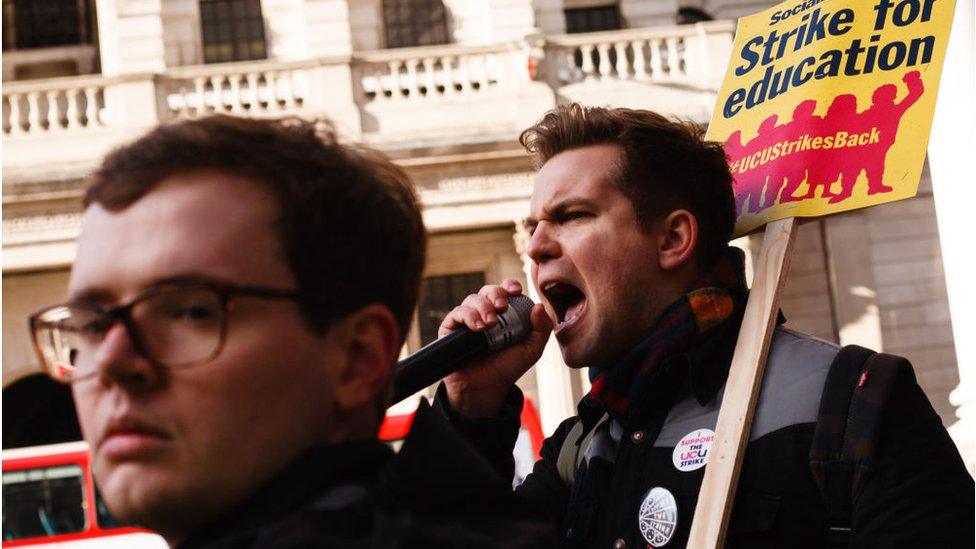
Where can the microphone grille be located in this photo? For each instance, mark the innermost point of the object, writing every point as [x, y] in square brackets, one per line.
[522, 305]
[513, 325]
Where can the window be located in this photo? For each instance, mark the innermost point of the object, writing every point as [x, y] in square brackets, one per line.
[43, 502]
[31, 24]
[690, 15]
[599, 18]
[414, 23]
[439, 295]
[233, 30]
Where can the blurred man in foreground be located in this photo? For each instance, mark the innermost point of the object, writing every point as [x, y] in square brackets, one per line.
[241, 292]
[630, 219]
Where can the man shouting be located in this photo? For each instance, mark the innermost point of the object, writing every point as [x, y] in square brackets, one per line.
[630, 218]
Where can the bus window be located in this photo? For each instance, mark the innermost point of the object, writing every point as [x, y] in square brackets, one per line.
[43, 502]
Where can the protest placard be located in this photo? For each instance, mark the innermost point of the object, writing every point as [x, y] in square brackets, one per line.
[826, 107]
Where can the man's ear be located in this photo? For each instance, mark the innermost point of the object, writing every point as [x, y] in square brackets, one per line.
[370, 339]
[679, 239]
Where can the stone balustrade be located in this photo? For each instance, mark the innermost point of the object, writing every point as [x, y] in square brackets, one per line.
[430, 73]
[682, 54]
[389, 95]
[51, 106]
[251, 89]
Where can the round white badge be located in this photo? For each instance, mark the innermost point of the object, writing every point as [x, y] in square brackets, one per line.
[658, 517]
[691, 452]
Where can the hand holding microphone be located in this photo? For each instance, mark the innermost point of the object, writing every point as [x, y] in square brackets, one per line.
[483, 376]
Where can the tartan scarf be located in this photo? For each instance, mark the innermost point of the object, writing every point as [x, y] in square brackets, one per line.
[683, 324]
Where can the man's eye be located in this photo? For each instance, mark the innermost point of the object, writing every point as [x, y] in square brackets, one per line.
[571, 216]
[196, 313]
[93, 328]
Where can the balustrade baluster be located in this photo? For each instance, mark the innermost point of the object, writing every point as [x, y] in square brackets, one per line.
[572, 71]
[91, 107]
[674, 64]
[16, 127]
[217, 84]
[33, 112]
[53, 111]
[640, 65]
[379, 91]
[412, 85]
[605, 66]
[447, 75]
[588, 69]
[289, 92]
[182, 109]
[6, 115]
[464, 74]
[396, 91]
[656, 70]
[199, 87]
[236, 102]
[483, 67]
[272, 81]
[254, 104]
[71, 113]
[429, 82]
[623, 64]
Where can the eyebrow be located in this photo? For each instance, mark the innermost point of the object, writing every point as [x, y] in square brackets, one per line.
[106, 295]
[559, 208]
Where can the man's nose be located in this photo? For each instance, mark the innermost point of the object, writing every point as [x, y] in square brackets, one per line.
[118, 360]
[542, 245]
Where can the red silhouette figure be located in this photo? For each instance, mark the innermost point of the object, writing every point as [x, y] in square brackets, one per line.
[834, 163]
[804, 123]
[883, 117]
[735, 150]
[818, 149]
[767, 137]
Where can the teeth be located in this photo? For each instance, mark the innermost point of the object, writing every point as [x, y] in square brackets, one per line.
[549, 286]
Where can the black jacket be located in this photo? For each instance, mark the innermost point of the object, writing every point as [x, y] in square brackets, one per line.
[920, 494]
[436, 492]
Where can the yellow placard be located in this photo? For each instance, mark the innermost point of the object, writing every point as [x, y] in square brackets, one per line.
[827, 105]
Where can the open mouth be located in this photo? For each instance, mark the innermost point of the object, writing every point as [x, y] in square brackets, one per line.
[567, 301]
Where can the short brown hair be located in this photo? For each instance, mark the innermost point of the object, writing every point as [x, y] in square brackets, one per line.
[665, 165]
[349, 219]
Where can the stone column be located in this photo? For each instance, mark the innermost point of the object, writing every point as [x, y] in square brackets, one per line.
[286, 30]
[549, 17]
[853, 288]
[326, 26]
[950, 150]
[554, 378]
[510, 19]
[130, 36]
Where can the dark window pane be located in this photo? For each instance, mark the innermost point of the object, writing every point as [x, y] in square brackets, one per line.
[600, 18]
[43, 502]
[440, 294]
[230, 30]
[414, 23]
[46, 23]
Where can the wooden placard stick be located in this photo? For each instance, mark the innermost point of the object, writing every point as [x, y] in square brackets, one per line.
[717, 494]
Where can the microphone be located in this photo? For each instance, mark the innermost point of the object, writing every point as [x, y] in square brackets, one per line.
[460, 347]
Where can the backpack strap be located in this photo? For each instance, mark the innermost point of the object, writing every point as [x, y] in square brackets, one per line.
[574, 447]
[844, 440]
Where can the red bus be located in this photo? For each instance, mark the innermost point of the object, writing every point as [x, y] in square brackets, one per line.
[50, 501]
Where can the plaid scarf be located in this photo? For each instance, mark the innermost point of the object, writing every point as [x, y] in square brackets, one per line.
[683, 324]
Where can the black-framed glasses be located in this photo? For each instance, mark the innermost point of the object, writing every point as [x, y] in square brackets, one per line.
[176, 325]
